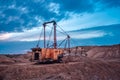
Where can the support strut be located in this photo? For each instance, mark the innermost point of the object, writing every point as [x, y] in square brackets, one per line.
[44, 25]
[55, 39]
[68, 43]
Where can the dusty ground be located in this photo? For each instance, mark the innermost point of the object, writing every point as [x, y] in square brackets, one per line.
[102, 63]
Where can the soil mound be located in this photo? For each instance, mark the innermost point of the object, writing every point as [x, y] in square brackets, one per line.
[5, 60]
[105, 52]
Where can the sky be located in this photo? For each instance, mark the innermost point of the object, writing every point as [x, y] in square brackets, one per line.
[88, 22]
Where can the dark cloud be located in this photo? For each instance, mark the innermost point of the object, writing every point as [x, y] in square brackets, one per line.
[27, 10]
[76, 6]
[109, 3]
[107, 28]
[112, 3]
[18, 14]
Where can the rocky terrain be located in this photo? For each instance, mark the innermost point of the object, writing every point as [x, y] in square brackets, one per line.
[101, 63]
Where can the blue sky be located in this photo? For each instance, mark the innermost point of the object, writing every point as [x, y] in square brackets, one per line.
[88, 22]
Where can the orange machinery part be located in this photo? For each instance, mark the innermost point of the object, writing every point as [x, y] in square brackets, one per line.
[50, 53]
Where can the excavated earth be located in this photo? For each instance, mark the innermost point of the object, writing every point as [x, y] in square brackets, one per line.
[101, 63]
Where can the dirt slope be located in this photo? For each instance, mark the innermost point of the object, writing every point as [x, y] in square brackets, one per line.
[105, 52]
[10, 59]
[5, 60]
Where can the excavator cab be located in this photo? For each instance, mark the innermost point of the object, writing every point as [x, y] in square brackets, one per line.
[36, 53]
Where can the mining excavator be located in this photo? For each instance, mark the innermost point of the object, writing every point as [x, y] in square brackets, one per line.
[50, 54]
[53, 52]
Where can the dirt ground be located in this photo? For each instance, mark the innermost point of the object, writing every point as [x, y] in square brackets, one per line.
[105, 66]
[85, 69]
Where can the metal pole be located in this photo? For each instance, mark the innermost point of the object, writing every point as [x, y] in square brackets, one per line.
[44, 36]
[55, 40]
[68, 42]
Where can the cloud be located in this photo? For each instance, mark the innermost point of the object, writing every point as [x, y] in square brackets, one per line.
[75, 6]
[53, 7]
[108, 3]
[5, 36]
[87, 34]
[33, 35]
[15, 15]
[101, 35]
[88, 20]
[28, 10]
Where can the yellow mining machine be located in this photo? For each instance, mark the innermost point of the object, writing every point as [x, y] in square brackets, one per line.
[47, 54]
